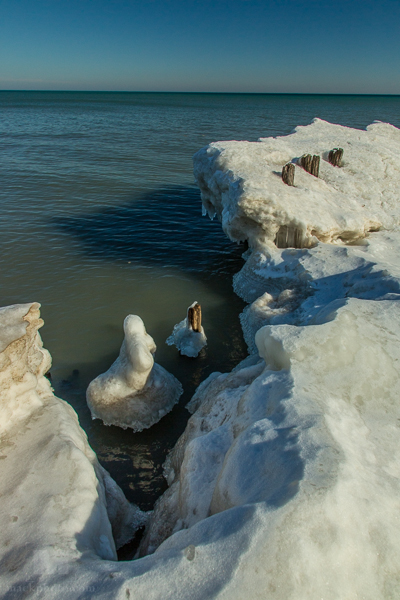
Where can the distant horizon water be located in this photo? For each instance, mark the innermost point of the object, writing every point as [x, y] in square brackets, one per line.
[78, 91]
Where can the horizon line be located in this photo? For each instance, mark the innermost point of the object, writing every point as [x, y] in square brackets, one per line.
[58, 91]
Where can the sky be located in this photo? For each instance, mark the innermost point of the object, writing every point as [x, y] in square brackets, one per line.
[270, 46]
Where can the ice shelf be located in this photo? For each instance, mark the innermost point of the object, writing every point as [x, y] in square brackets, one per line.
[241, 183]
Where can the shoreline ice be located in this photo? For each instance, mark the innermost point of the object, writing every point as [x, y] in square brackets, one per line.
[305, 429]
[58, 504]
[286, 481]
[241, 183]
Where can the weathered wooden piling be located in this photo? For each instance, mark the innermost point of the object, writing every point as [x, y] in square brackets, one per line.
[306, 161]
[288, 174]
[289, 237]
[315, 165]
[194, 317]
[335, 157]
[310, 164]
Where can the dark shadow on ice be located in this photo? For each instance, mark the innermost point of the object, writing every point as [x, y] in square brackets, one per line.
[18, 560]
[163, 227]
[129, 550]
[363, 283]
[268, 466]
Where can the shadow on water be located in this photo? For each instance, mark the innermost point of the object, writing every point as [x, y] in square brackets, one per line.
[162, 229]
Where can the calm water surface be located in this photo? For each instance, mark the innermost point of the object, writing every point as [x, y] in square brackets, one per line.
[100, 218]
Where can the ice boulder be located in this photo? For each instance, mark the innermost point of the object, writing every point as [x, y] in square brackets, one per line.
[188, 335]
[135, 392]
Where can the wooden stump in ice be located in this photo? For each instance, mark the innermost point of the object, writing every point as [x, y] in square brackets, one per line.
[188, 335]
[135, 392]
[288, 174]
[194, 317]
[335, 157]
[310, 164]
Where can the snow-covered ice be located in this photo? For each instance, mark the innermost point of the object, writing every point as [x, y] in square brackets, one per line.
[306, 433]
[241, 183]
[285, 484]
[135, 392]
[188, 341]
[58, 505]
[306, 430]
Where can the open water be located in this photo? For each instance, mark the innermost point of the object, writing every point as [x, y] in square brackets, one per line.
[100, 218]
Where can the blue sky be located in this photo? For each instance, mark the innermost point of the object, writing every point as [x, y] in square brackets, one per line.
[301, 46]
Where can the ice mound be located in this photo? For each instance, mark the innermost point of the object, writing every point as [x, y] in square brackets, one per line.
[58, 505]
[291, 462]
[241, 183]
[267, 309]
[303, 432]
[188, 335]
[135, 392]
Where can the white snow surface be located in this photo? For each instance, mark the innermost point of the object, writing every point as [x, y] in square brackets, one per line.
[296, 453]
[135, 392]
[241, 183]
[58, 505]
[188, 342]
[305, 432]
[285, 484]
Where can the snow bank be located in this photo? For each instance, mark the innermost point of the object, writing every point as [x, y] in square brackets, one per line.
[306, 433]
[305, 430]
[134, 392]
[188, 341]
[58, 505]
[62, 515]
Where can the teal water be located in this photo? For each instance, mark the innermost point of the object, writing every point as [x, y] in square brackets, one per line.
[100, 218]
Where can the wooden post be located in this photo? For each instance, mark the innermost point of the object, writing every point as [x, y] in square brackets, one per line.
[288, 174]
[194, 317]
[315, 165]
[310, 164]
[306, 161]
[335, 157]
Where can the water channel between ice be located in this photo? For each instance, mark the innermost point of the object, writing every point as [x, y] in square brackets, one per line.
[100, 219]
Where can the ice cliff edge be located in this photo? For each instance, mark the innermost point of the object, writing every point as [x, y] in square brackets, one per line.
[241, 183]
[58, 505]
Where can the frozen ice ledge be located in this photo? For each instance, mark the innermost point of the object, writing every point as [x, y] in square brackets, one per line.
[241, 183]
[286, 481]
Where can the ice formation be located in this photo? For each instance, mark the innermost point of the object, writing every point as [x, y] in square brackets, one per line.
[241, 183]
[285, 484]
[188, 340]
[294, 456]
[135, 392]
[58, 505]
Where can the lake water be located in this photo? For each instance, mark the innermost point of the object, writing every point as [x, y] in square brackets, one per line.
[100, 218]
